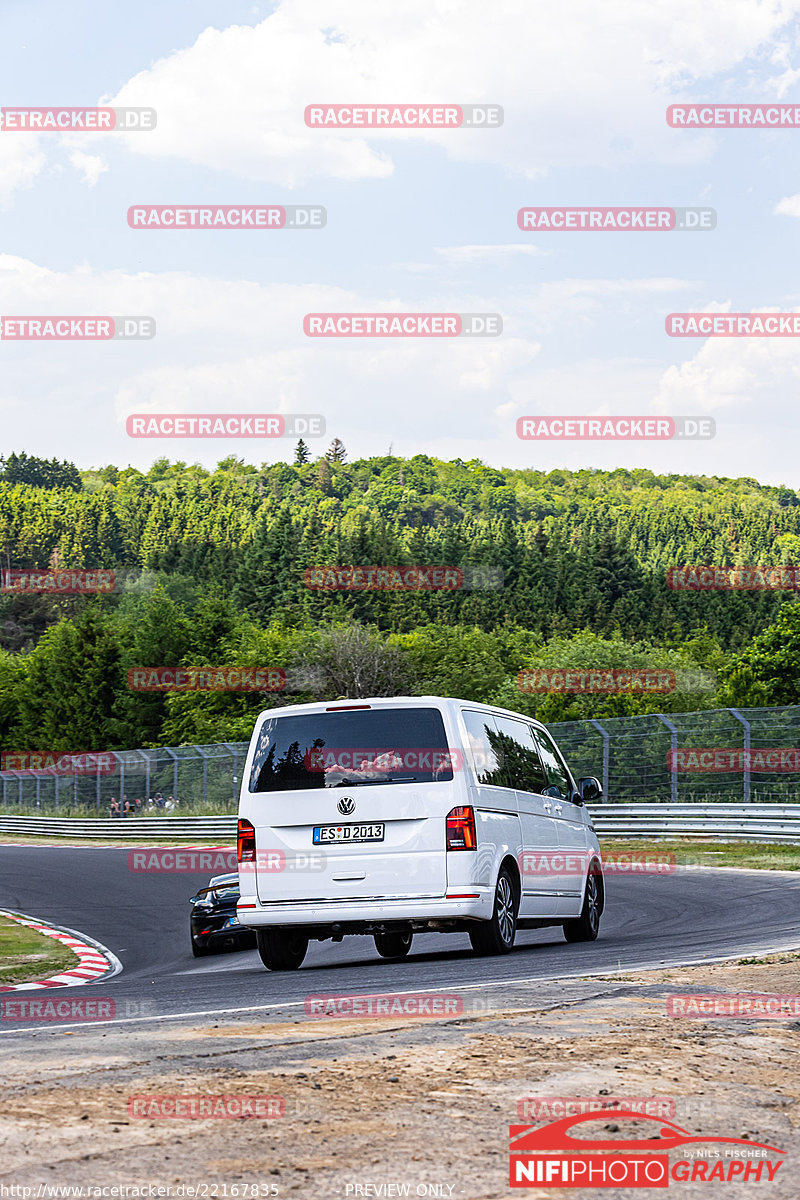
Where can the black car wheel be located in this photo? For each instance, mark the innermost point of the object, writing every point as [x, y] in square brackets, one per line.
[497, 936]
[587, 926]
[281, 949]
[393, 945]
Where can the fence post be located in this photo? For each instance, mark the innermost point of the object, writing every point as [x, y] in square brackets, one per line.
[174, 757]
[200, 750]
[673, 795]
[606, 741]
[746, 768]
[235, 755]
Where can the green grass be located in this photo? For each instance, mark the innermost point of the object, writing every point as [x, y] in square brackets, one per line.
[26, 955]
[762, 856]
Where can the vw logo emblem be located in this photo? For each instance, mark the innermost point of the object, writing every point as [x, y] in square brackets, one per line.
[346, 806]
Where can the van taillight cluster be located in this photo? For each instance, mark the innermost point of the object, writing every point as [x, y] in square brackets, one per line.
[245, 842]
[461, 829]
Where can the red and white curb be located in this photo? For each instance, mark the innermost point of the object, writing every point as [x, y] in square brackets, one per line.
[95, 961]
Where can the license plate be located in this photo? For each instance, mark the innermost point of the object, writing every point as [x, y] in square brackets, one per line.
[323, 834]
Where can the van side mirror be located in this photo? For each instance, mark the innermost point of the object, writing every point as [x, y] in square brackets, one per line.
[589, 789]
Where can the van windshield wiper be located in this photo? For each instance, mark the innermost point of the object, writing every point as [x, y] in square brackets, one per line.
[382, 779]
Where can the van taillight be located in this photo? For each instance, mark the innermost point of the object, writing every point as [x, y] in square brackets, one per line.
[461, 829]
[245, 842]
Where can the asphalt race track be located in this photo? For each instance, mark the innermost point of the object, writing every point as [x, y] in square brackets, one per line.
[692, 916]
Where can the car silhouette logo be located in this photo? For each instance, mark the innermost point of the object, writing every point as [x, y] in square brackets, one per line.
[346, 806]
[557, 1136]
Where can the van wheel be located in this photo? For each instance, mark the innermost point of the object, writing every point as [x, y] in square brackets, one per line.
[393, 945]
[497, 936]
[587, 926]
[281, 949]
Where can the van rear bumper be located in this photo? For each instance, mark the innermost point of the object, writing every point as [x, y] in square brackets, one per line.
[355, 911]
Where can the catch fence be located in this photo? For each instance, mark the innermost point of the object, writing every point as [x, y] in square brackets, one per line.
[721, 756]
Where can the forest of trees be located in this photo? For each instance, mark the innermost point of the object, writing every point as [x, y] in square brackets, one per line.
[211, 571]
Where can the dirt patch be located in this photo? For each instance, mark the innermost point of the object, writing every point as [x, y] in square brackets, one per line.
[423, 1103]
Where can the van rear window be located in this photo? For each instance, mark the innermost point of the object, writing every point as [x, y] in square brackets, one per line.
[358, 748]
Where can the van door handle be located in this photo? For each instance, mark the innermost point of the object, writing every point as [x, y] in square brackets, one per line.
[558, 810]
[547, 806]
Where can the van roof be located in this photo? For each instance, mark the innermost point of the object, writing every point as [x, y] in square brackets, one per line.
[321, 706]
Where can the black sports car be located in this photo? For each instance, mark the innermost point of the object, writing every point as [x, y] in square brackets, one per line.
[213, 924]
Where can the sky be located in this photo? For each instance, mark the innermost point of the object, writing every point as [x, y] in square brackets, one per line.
[417, 221]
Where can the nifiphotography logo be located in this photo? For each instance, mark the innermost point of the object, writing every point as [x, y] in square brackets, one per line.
[554, 1156]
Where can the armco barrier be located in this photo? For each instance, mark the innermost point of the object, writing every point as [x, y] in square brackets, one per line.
[723, 822]
[129, 828]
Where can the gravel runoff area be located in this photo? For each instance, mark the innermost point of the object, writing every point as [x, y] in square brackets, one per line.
[423, 1104]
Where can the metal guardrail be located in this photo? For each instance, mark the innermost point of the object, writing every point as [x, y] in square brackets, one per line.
[720, 822]
[127, 828]
[723, 822]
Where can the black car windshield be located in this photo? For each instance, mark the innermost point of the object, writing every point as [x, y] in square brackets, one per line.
[351, 748]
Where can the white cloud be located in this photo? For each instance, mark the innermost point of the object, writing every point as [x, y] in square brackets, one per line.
[21, 160]
[789, 206]
[499, 253]
[91, 166]
[580, 83]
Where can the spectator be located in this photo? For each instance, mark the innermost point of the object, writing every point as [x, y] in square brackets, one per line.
[113, 808]
[159, 800]
[137, 806]
[126, 807]
[150, 804]
[169, 805]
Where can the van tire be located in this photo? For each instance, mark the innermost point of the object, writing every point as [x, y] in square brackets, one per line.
[497, 936]
[393, 945]
[587, 925]
[281, 949]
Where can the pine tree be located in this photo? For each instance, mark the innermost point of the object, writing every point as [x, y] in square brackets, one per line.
[336, 452]
[301, 453]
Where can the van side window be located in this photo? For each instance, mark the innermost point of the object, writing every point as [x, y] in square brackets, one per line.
[484, 742]
[523, 766]
[554, 768]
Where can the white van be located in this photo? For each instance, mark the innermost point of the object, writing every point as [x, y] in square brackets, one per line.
[398, 815]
